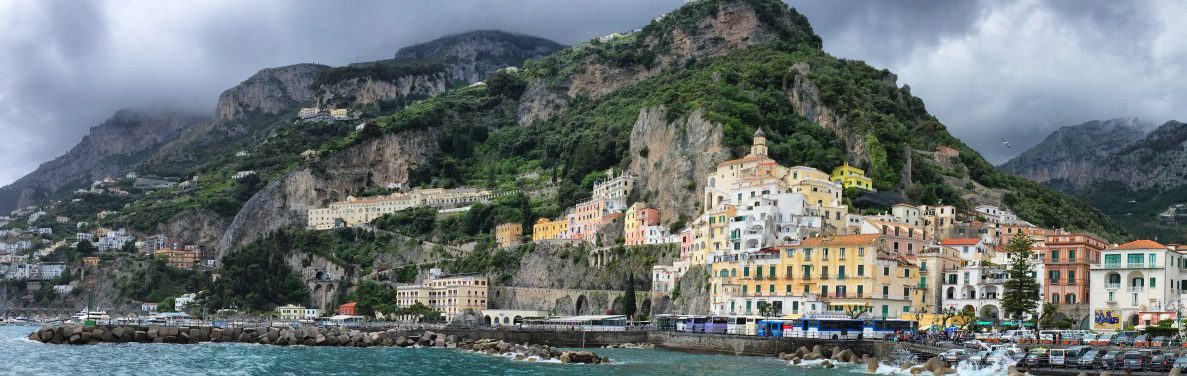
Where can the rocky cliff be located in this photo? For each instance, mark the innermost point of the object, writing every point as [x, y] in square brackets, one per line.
[472, 56]
[270, 91]
[1157, 161]
[711, 29]
[110, 149]
[202, 228]
[284, 202]
[1070, 156]
[672, 157]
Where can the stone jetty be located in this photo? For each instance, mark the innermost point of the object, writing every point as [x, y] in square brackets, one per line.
[307, 336]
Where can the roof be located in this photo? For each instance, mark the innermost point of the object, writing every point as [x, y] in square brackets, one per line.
[1141, 244]
[960, 241]
[351, 304]
[840, 240]
[587, 318]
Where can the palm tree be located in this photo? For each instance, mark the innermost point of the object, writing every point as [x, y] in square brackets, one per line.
[1050, 311]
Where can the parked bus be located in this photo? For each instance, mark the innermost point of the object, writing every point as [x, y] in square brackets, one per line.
[769, 328]
[742, 325]
[717, 324]
[695, 324]
[880, 328]
[831, 328]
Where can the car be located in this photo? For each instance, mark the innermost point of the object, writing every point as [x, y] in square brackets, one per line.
[1036, 357]
[1181, 361]
[1141, 341]
[1089, 359]
[1057, 357]
[1111, 359]
[1159, 341]
[1134, 361]
[1090, 339]
[1119, 340]
[1161, 362]
[954, 355]
[1072, 355]
[974, 344]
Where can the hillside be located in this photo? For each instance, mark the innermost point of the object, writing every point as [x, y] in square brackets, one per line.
[112, 148]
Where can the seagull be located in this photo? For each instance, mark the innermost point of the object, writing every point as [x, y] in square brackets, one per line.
[1007, 143]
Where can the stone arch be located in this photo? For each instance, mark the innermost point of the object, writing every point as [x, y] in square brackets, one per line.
[968, 292]
[1132, 320]
[951, 292]
[990, 311]
[663, 305]
[617, 305]
[517, 320]
[969, 308]
[580, 305]
[488, 320]
[1135, 279]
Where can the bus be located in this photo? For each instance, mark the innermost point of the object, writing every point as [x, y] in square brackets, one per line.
[716, 325]
[742, 325]
[831, 328]
[769, 328]
[695, 324]
[880, 328]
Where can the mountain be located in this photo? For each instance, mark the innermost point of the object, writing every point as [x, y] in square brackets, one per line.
[112, 148]
[1071, 155]
[1157, 161]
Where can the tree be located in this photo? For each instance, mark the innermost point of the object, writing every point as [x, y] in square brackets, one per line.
[1047, 317]
[855, 312]
[85, 248]
[628, 297]
[1021, 290]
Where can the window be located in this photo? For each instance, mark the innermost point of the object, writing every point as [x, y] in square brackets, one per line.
[841, 255]
[861, 270]
[788, 289]
[824, 272]
[772, 270]
[861, 252]
[860, 290]
[1134, 259]
[1071, 255]
[772, 289]
[906, 292]
[758, 272]
[746, 271]
[824, 290]
[1055, 298]
[1152, 282]
[1055, 256]
[1053, 276]
[907, 272]
[744, 289]
[825, 253]
[733, 272]
[1071, 276]
[1112, 259]
[885, 270]
[1153, 258]
[789, 270]
[885, 291]
[807, 272]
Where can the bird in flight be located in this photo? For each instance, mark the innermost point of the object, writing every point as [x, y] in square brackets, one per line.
[1007, 143]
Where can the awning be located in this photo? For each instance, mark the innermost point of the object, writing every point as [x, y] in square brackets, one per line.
[984, 322]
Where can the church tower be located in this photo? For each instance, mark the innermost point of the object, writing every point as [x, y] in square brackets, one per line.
[759, 147]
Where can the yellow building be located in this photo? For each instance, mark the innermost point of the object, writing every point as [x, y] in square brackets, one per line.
[854, 273]
[449, 295]
[546, 229]
[508, 234]
[933, 261]
[711, 233]
[852, 177]
[178, 258]
[91, 261]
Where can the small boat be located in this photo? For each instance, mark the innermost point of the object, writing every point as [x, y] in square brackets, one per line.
[86, 315]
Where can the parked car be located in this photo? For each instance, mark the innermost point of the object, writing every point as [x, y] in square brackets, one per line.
[1119, 340]
[1134, 361]
[1072, 355]
[954, 355]
[1089, 359]
[1090, 339]
[1159, 341]
[1141, 341]
[1111, 359]
[1161, 362]
[1036, 357]
[1181, 361]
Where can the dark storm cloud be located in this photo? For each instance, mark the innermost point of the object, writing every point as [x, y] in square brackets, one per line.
[987, 69]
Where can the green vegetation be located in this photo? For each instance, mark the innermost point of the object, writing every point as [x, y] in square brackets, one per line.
[384, 70]
[153, 281]
[1022, 295]
[257, 278]
[373, 297]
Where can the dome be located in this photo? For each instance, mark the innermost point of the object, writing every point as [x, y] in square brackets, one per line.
[759, 133]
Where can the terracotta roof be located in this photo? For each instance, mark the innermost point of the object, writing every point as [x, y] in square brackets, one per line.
[840, 240]
[960, 241]
[1141, 244]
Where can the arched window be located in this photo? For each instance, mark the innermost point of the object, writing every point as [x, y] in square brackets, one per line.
[725, 273]
[733, 272]
[1115, 278]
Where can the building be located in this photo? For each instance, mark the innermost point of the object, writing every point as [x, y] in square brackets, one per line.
[312, 313]
[178, 258]
[605, 205]
[183, 301]
[546, 229]
[114, 239]
[348, 309]
[308, 112]
[243, 174]
[508, 234]
[148, 308]
[901, 238]
[340, 114]
[978, 286]
[290, 312]
[504, 317]
[1136, 279]
[636, 222]
[663, 278]
[90, 261]
[852, 177]
[448, 295]
[1067, 261]
[934, 261]
[969, 248]
[357, 211]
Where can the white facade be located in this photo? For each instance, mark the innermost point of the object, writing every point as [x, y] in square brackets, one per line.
[1141, 276]
[663, 278]
[115, 239]
[183, 301]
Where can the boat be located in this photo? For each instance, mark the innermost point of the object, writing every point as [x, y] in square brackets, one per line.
[86, 315]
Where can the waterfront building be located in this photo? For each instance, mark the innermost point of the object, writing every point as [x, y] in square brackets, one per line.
[507, 317]
[1134, 279]
[508, 234]
[934, 261]
[852, 177]
[977, 286]
[448, 295]
[349, 309]
[546, 229]
[148, 308]
[185, 300]
[291, 312]
[1067, 261]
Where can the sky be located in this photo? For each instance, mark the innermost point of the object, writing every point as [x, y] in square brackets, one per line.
[1013, 69]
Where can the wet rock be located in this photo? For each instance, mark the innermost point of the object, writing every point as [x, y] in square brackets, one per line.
[871, 363]
[827, 364]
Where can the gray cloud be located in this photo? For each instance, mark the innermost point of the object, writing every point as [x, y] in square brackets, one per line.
[987, 69]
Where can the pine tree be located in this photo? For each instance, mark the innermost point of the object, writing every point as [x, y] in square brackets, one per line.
[1021, 290]
[628, 297]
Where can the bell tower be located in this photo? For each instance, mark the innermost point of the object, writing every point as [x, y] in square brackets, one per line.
[760, 143]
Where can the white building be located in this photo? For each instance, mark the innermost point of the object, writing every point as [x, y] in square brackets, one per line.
[243, 174]
[63, 289]
[663, 278]
[183, 301]
[115, 239]
[1135, 280]
[970, 249]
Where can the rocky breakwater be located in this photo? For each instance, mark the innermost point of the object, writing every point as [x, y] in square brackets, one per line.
[344, 337]
[529, 352]
[830, 358]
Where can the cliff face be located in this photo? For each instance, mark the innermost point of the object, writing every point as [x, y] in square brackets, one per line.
[1157, 161]
[110, 149]
[1071, 155]
[271, 91]
[284, 202]
[670, 159]
[474, 55]
[204, 229]
[366, 90]
[728, 27]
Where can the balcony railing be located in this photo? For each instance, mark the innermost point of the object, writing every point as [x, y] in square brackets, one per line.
[1113, 286]
[1129, 265]
[1136, 288]
[840, 276]
[922, 285]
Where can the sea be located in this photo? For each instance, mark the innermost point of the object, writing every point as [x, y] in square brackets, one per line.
[20, 356]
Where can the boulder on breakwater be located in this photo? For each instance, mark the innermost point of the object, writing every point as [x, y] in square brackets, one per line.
[308, 336]
[528, 351]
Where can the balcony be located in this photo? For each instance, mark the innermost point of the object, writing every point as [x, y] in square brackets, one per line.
[922, 285]
[824, 276]
[1112, 286]
[1136, 288]
[1128, 265]
[840, 276]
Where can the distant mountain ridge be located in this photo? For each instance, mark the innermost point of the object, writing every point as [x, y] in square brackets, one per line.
[1070, 155]
[114, 147]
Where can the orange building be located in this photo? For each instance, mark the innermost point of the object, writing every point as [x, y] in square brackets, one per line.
[178, 258]
[348, 309]
[1067, 260]
[91, 261]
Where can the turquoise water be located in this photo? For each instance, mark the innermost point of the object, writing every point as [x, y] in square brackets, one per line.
[19, 356]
